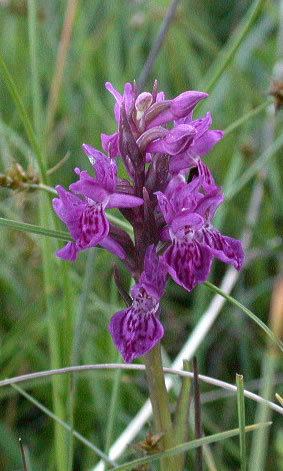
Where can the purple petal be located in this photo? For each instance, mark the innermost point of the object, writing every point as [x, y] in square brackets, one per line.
[206, 142]
[87, 186]
[68, 252]
[118, 97]
[160, 97]
[206, 174]
[69, 208]
[176, 140]
[122, 200]
[105, 168]
[145, 141]
[129, 97]
[183, 195]
[188, 262]
[179, 107]
[165, 206]
[225, 248]
[110, 143]
[114, 247]
[202, 125]
[187, 218]
[183, 161]
[183, 104]
[209, 203]
[135, 332]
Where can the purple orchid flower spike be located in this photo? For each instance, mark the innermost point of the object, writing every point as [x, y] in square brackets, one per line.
[137, 329]
[188, 212]
[85, 216]
[159, 145]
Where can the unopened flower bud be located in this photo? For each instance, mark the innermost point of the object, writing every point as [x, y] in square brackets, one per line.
[142, 104]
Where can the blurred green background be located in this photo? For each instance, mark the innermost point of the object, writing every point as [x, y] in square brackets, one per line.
[45, 320]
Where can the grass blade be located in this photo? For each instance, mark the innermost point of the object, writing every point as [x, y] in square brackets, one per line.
[189, 446]
[181, 417]
[241, 418]
[228, 53]
[34, 229]
[246, 117]
[255, 167]
[10, 84]
[66, 426]
[234, 301]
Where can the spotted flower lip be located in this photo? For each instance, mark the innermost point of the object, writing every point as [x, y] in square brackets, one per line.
[188, 211]
[137, 329]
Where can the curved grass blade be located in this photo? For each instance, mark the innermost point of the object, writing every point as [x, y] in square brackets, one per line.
[226, 56]
[10, 84]
[255, 167]
[246, 117]
[189, 446]
[32, 228]
[234, 301]
[66, 426]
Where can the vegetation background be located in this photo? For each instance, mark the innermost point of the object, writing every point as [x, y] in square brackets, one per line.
[56, 314]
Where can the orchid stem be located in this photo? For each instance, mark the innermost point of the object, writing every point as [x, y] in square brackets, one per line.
[160, 403]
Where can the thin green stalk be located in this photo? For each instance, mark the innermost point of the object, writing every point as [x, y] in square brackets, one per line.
[114, 401]
[234, 301]
[228, 53]
[160, 402]
[64, 425]
[34, 229]
[10, 84]
[246, 117]
[77, 340]
[255, 168]
[40, 230]
[113, 410]
[189, 446]
[259, 449]
[55, 304]
[36, 95]
[181, 418]
[242, 420]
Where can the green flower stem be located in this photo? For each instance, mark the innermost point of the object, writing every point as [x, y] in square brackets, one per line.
[160, 403]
